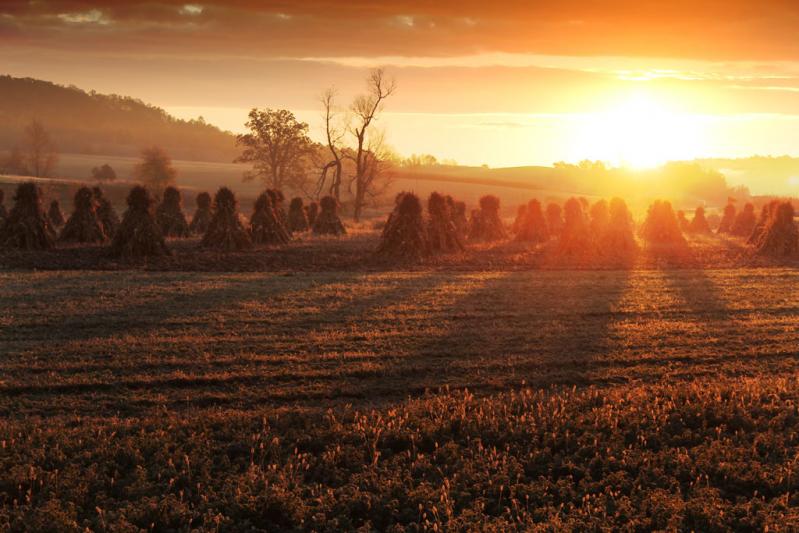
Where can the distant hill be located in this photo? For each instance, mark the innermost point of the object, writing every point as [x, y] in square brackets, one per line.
[91, 129]
[764, 175]
[111, 125]
[687, 184]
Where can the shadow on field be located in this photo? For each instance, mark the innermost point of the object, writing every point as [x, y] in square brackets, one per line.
[667, 256]
[351, 313]
[307, 254]
[706, 309]
[328, 326]
[699, 293]
[508, 331]
[174, 307]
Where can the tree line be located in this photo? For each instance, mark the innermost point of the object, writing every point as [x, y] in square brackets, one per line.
[112, 125]
[353, 158]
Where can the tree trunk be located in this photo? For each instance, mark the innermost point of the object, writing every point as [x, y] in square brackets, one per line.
[336, 189]
[359, 197]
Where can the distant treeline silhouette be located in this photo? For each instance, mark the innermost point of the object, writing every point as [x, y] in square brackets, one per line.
[92, 123]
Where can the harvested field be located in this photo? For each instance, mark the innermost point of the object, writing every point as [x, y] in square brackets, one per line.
[217, 384]
[132, 342]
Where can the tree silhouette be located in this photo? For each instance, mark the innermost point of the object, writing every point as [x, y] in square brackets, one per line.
[155, 169]
[104, 173]
[333, 138]
[39, 150]
[367, 151]
[277, 147]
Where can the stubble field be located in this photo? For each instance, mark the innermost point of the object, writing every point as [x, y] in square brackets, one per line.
[328, 400]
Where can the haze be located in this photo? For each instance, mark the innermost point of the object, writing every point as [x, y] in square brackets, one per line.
[480, 83]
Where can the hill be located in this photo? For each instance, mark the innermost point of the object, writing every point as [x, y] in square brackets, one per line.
[687, 184]
[111, 125]
[91, 129]
[762, 174]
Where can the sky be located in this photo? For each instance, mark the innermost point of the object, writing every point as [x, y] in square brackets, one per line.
[498, 83]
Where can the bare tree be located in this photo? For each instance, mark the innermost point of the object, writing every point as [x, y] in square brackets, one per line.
[365, 109]
[378, 161]
[277, 146]
[155, 169]
[40, 152]
[333, 136]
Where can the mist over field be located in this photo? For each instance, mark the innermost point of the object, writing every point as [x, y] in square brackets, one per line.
[399, 266]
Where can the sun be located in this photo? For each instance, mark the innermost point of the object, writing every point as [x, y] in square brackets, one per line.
[639, 131]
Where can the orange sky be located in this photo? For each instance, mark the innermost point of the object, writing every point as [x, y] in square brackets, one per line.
[503, 83]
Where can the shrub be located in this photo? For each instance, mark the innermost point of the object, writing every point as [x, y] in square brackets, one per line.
[26, 225]
[84, 224]
[404, 236]
[55, 215]
[312, 211]
[3, 212]
[170, 214]
[533, 226]
[575, 238]
[487, 226]
[554, 216]
[459, 217]
[760, 227]
[600, 218]
[441, 231]
[619, 236]
[744, 222]
[780, 237]
[280, 210]
[728, 219]
[519, 220]
[226, 232]
[327, 221]
[202, 216]
[139, 235]
[106, 212]
[683, 222]
[265, 227]
[699, 224]
[298, 219]
[661, 225]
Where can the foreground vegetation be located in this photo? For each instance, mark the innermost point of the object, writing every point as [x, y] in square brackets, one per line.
[698, 456]
[335, 400]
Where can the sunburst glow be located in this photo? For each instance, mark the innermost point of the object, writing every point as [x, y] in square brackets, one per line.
[640, 131]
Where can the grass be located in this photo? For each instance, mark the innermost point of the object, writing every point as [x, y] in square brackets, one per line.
[427, 399]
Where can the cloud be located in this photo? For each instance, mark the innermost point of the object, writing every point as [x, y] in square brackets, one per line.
[501, 125]
[701, 29]
[470, 57]
[93, 16]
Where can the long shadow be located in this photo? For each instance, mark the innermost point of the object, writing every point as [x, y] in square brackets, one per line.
[208, 377]
[697, 290]
[349, 312]
[706, 309]
[140, 318]
[536, 328]
[518, 328]
[727, 339]
[667, 256]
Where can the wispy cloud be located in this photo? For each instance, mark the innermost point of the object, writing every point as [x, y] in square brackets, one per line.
[699, 29]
